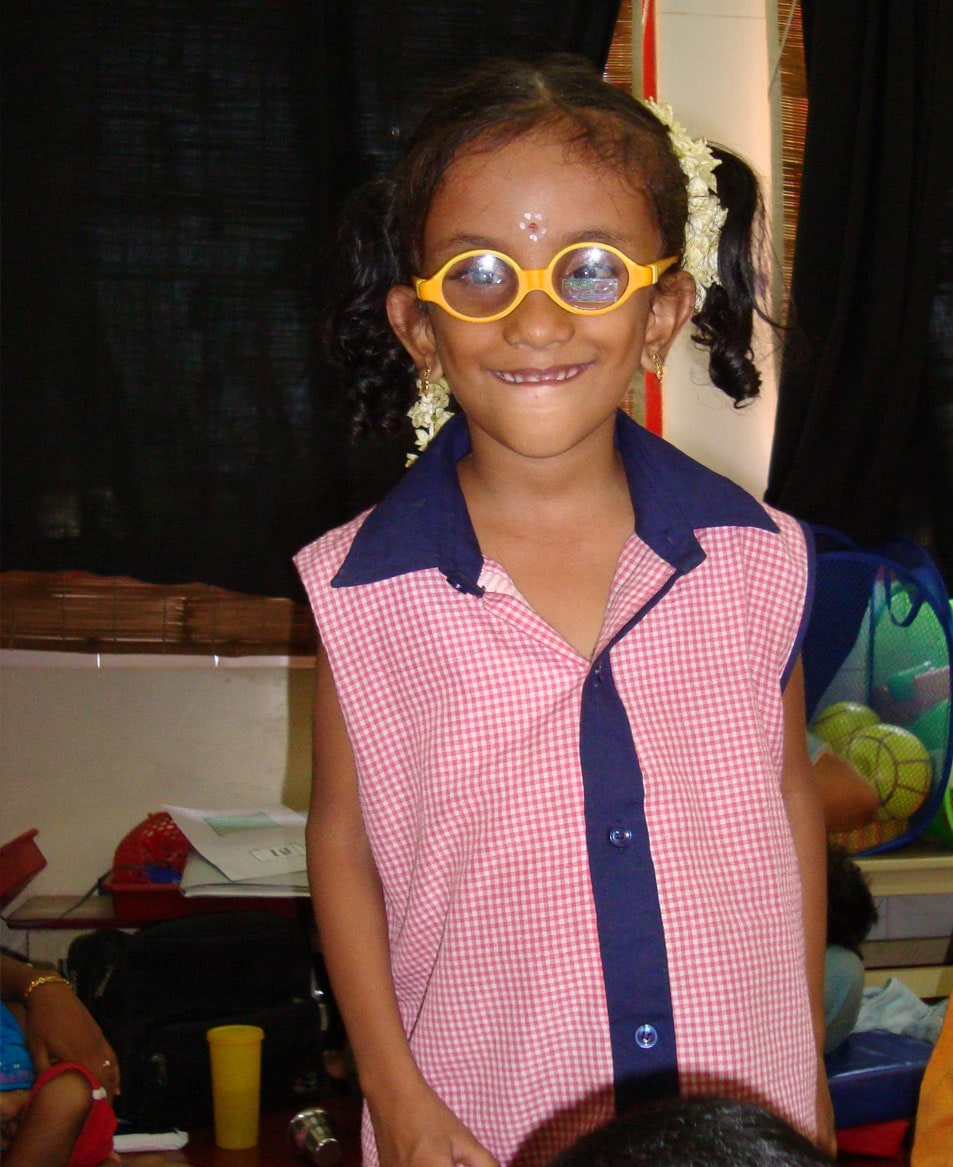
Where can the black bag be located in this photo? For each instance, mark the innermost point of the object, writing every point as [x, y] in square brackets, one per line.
[156, 992]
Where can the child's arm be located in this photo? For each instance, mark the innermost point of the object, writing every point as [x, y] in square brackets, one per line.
[804, 808]
[848, 800]
[58, 1026]
[412, 1125]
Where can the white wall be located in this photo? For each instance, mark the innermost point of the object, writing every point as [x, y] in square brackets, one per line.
[88, 752]
[715, 59]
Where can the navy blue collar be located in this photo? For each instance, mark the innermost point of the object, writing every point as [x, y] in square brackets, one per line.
[423, 522]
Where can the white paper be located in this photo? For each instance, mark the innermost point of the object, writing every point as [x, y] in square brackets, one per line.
[156, 1141]
[201, 878]
[248, 843]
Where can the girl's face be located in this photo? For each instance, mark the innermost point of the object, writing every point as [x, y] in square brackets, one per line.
[542, 380]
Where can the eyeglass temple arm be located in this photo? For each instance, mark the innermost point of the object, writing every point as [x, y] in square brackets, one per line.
[660, 266]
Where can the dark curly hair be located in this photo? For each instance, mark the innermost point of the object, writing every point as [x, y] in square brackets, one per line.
[379, 240]
[687, 1132]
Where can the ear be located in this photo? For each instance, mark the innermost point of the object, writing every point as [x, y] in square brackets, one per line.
[411, 322]
[671, 308]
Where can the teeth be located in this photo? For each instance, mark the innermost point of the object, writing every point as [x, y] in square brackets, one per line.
[562, 374]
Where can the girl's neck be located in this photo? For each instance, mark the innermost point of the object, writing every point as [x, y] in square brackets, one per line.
[516, 490]
[557, 526]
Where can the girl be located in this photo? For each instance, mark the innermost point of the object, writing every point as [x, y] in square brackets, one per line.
[565, 848]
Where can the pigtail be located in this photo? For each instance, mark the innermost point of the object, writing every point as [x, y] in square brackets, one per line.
[725, 322]
[375, 369]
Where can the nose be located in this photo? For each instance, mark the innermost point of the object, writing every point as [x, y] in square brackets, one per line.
[538, 321]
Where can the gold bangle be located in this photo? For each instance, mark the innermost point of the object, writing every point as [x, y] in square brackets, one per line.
[45, 979]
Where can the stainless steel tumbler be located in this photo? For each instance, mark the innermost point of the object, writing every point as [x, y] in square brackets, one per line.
[312, 1133]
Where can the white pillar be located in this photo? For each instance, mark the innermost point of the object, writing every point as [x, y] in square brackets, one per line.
[715, 64]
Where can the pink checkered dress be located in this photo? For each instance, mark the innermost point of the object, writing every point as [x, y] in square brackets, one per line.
[591, 888]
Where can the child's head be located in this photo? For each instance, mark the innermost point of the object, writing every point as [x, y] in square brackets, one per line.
[599, 127]
[686, 1132]
[851, 910]
[538, 375]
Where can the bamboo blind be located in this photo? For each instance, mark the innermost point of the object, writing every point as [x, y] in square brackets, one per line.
[793, 123]
[78, 612]
[618, 70]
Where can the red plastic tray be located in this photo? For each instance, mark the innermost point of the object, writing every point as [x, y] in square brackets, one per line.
[143, 903]
[20, 860]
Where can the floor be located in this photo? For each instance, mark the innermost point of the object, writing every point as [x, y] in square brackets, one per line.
[276, 1150]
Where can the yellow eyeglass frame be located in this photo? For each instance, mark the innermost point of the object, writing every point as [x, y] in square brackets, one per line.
[641, 275]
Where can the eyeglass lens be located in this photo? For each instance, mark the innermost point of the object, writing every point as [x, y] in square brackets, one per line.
[585, 278]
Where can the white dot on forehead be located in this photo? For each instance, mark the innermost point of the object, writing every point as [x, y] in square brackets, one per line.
[532, 224]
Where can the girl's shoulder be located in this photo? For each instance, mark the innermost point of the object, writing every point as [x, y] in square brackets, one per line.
[320, 560]
[777, 548]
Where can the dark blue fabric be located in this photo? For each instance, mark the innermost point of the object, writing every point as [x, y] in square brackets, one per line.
[631, 935]
[423, 522]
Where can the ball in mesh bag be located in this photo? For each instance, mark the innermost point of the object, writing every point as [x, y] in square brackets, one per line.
[835, 723]
[896, 763]
[872, 835]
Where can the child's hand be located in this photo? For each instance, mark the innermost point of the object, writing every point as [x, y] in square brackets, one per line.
[12, 1102]
[426, 1133]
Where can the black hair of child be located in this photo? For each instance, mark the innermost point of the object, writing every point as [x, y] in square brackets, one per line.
[851, 911]
[379, 240]
[686, 1132]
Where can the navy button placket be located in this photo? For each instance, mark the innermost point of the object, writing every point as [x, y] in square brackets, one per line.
[631, 936]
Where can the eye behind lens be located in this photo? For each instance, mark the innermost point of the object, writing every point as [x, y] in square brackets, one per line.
[588, 292]
[590, 278]
[480, 285]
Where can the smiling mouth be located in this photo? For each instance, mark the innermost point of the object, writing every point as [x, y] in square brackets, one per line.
[541, 376]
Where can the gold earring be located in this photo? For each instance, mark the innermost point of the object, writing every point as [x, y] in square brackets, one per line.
[423, 382]
[659, 366]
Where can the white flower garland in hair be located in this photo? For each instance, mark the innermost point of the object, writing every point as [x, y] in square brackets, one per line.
[706, 215]
[429, 412]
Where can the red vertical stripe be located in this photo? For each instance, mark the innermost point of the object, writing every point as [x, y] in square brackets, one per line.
[653, 404]
[653, 387]
[649, 67]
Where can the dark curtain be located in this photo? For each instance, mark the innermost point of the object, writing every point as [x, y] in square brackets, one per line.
[864, 435]
[171, 168]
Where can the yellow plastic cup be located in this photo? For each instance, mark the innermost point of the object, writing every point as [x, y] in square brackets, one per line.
[235, 1052]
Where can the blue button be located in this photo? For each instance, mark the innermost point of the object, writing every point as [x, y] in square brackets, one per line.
[597, 673]
[646, 1036]
[620, 836]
